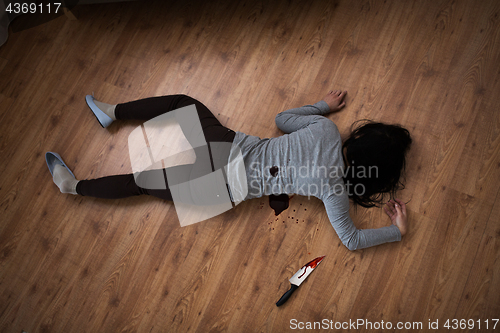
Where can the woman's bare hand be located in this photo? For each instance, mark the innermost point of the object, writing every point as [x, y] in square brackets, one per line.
[335, 100]
[396, 210]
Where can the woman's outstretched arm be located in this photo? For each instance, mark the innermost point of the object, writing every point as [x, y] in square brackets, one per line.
[337, 208]
[295, 119]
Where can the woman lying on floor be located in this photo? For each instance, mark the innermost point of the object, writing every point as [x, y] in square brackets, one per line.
[308, 160]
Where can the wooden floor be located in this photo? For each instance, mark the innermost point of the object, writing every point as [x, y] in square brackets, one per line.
[78, 264]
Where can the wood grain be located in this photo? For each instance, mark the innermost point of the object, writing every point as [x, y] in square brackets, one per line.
[78, 264]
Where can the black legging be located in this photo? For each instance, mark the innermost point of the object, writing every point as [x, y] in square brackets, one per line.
[122, 186]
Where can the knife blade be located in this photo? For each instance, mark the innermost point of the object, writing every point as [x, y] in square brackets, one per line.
[299, 277]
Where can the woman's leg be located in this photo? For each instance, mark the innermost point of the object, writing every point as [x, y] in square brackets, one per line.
[149, 108]
[151, 182]
[209, 157]
[111, 187]
[122, 186]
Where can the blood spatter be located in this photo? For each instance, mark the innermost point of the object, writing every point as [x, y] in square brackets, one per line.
[279, 203]
[311, 264]
[274, 171]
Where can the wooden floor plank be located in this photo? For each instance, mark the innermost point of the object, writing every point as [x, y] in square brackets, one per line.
[480, 297]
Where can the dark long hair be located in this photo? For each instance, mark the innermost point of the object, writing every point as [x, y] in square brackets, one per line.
[376, 156]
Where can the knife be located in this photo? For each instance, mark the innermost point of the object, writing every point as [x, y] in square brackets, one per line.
[299, 277]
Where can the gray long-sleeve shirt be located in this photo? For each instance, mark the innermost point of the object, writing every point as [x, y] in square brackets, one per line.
[306, 160]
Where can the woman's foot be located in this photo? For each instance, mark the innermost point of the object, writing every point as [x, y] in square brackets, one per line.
[105, 113]
[335, 100]
[64, 180]
[108, 109]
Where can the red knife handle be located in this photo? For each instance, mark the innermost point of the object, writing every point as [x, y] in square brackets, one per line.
[287, 295]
